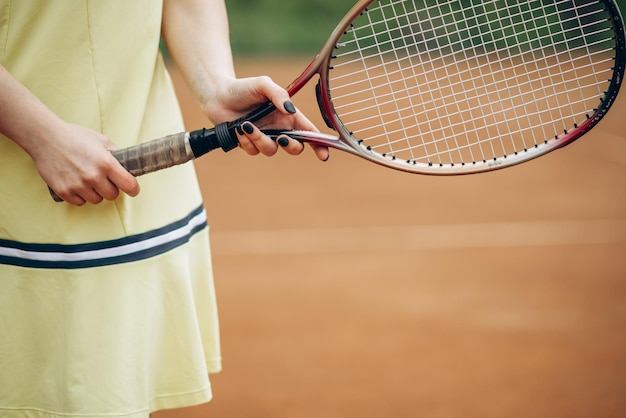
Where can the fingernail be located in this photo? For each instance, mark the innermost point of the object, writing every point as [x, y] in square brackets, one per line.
[247, 126]
[289, 107]
[239, 131]
[282, 141]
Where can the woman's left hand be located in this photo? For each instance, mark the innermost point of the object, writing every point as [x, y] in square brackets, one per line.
[238, 97]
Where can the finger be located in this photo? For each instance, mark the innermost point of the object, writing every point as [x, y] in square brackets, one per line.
[118, 178]
[91, 196]
[75, 200]
[277, 95]
[245, 143]
[67, 196]
[108, 190]
[289, 107]
[95, 195]
[259, 140]
[292, 146]
[321, 152]
[82, 196]
[301, 122]
[77, 194]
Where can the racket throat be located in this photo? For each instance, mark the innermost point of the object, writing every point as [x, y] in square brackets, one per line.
[319, 92]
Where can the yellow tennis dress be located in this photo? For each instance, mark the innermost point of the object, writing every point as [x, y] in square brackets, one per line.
[105, 310]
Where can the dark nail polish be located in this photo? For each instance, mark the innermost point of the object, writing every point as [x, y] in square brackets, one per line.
[247, 126]
[289, 107]
[239, 131]
[282, 141]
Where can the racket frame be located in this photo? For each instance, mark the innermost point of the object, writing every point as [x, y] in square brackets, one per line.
[182, 147]
[347, 142]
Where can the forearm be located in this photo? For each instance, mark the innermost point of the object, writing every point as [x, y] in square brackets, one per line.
[23, 117]
[197, 36]
[71, 159]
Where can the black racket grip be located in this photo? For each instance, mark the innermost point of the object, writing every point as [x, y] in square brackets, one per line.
[225, 133]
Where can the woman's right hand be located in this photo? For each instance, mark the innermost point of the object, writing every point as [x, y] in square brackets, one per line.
[74, 161]
[77, 164]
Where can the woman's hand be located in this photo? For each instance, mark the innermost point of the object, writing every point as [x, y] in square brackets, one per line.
[78, 165]
[238, 97]
[73, 160]
[205, 60]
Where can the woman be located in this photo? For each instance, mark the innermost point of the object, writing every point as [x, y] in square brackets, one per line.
[107, 305]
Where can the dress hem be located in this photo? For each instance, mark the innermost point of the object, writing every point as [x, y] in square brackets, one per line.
[159, 403]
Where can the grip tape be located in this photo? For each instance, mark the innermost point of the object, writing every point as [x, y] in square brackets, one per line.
[155, 155]
[151, 156]
[179, 148]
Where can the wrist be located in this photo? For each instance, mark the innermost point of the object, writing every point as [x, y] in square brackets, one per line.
[23, 117]
[212, 95]
[37, 137]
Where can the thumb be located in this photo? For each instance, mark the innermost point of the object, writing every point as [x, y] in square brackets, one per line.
[277, 95]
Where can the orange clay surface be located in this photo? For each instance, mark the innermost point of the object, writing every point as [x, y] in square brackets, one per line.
[350, 290]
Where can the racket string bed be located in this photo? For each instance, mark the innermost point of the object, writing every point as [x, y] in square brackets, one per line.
[450, 83]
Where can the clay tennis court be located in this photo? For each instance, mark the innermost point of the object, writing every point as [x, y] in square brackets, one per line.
[350, 290]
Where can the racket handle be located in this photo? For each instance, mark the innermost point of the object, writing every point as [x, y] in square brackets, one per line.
[175, 149]
[179, 148]
[155, 155]
[171, 150]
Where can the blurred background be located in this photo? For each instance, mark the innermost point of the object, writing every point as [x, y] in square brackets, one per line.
[294, 27]
[346, 289]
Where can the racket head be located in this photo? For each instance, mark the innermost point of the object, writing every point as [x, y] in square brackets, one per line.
[450, 89]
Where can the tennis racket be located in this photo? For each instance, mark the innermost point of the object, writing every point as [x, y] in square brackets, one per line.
[446, 87]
